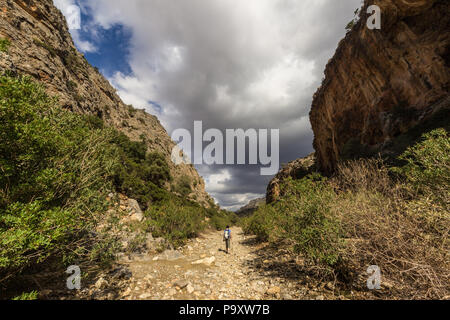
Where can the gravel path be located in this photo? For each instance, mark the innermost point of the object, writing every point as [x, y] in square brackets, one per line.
[202, 270]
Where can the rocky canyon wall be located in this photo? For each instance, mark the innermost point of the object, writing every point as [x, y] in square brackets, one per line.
[381, 83]
[42, 47]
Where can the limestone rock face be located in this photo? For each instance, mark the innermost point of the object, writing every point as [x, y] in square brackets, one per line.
[380, 83]
[41, 47]
[296, 169]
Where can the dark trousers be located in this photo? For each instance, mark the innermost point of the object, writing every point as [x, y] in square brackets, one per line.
[227, 243]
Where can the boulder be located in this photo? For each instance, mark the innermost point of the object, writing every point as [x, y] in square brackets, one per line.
[101, 283]
[135, 210]
[181, 284]
[205, 261]
[273, 291]
[145, 296]
[190, 289]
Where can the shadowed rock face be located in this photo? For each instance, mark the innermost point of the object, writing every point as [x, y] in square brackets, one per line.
[251, 207]
[41, 47]
[381, 83]
[296, 169]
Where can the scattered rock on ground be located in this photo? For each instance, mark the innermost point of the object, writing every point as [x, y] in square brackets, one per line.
[274, 291]
[206, 261]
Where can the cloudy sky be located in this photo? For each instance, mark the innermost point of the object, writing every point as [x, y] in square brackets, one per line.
[231, 64]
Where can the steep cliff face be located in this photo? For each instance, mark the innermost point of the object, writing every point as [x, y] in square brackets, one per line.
[41, 46]
[381, 83]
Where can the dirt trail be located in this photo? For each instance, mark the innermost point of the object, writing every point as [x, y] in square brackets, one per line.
[202, 270]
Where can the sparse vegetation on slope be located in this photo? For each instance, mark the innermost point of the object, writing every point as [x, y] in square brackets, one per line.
[54, 169]
[57, 169]
[370, 214]
[177, 219]
[139, 174]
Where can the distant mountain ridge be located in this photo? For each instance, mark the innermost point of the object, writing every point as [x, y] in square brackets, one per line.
[250, 207]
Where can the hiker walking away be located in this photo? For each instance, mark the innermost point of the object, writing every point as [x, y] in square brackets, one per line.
[227, 238]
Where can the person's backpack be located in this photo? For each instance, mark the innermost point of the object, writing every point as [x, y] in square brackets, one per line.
[226, 234]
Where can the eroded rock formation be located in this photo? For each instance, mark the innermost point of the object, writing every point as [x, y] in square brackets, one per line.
[381, 83]
[41, 46]
[296, 169]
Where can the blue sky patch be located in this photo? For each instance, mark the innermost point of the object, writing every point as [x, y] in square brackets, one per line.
[156, 105]
[113, 47]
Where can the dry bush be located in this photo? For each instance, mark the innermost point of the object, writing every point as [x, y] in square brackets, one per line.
[368, 174]
[407, 239]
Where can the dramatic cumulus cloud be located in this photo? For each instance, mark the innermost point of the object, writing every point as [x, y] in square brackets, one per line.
[231, 64]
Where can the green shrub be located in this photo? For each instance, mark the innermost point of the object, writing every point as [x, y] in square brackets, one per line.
[310, 224]
[176, 220]
[302, 217]
[4, 45]
[33, 295]
[183, 186]
[140, 175]
[157, 169]
[219, 219]
[104, 250]
[93, 122]
[263, 223]
[46, 46]
[352, 23]
[427, 168]
[55, 168]
[71, 61]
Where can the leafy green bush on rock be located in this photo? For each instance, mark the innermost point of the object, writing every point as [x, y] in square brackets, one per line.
[303, 217]
[139, 174]
[427, 169]
[220, 219]
[33, 295]
[183, 186]
[177, 219]
[54, 168]
[4, 45]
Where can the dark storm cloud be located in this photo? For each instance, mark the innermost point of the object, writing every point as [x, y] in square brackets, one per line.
[231, 64]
